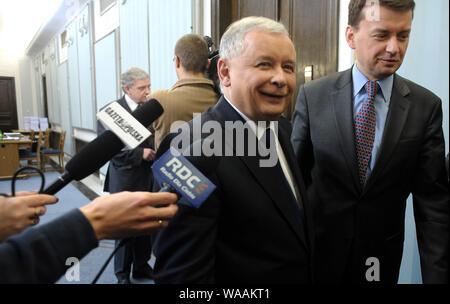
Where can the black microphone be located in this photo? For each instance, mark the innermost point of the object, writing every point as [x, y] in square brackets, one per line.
[94, 155]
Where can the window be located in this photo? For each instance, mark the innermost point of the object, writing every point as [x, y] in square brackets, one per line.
[105, 5]
[106, 17]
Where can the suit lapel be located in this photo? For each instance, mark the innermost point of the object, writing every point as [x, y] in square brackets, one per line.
[273, 184]
[124, 104]
[342, 102]
[285, 143]
[395, 122]
[269, 178]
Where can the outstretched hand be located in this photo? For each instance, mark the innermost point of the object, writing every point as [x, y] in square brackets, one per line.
[21, 211]
[127, 214]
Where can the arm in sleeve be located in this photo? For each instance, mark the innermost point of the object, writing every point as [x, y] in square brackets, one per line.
[185, 249]
[39, 254]
[301, 138]
[431, 203]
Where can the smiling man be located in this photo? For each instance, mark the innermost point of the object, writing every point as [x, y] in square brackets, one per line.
[255, 227]
[366, 139]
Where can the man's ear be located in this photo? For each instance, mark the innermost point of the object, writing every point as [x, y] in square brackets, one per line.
[126, 89]
[223, 70]
[350, 32]
[177, 61]
[208, 64]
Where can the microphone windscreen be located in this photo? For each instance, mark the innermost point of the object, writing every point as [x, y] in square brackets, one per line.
[148, 112]
[105, 146]
[94, 155]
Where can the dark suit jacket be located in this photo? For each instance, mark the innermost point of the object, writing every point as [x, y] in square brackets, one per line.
[127, 171]
[353, 222]
[247, 231]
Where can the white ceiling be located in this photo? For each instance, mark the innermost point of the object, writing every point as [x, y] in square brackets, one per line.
[26, 26]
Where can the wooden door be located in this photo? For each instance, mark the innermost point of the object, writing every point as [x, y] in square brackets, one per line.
[8, 107]
[312, 24]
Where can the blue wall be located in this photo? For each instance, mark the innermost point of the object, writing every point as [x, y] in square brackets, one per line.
[426, 63]
[134, 35]
[65, 106]
[167, 25]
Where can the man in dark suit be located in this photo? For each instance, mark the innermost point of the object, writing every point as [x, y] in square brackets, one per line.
[255, 227]
[366, 139]
[130, 170]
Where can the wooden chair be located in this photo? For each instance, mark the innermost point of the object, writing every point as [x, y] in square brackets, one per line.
[59, 152]
[33, 157]
[46, 139]
[28, 148]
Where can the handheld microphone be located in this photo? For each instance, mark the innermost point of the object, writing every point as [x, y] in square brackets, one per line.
[177, 175]
[94, 155]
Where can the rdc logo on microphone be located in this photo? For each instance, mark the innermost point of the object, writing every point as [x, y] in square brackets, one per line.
[174, 169]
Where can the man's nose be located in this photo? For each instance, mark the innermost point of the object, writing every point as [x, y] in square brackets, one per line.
[392, 46]
[279, 77]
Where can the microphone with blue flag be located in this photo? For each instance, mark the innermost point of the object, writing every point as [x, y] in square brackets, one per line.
[174, 170]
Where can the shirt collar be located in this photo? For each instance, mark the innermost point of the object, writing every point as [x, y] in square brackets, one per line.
[259, 128]
[360, 80]
[192, 81]
[131, 103]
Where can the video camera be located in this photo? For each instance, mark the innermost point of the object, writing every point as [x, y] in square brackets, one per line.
[211, 73]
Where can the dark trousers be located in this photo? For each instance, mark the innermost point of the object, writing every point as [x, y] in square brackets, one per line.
[137, 251]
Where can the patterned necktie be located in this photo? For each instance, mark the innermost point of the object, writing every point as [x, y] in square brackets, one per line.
[365, 130]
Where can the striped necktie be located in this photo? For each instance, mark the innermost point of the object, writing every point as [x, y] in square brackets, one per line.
[365, 130]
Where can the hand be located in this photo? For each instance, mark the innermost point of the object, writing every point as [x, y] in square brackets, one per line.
[149, 154]
[128, 214]
[21, 211]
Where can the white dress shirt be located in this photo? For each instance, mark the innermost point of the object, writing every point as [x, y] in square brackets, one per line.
[259, 130]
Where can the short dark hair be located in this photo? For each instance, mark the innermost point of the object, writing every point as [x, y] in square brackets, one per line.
[192, 50]
[356, 6]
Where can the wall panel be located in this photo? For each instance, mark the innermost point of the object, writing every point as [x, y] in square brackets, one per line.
[105, 77]
[63, 90]
[85, 70]
[169, 20]
[73, 74]
[134, 35]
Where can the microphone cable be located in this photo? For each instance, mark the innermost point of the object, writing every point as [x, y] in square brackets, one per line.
[13, 194]
[165, 188]
[16, 174]
[121, 244]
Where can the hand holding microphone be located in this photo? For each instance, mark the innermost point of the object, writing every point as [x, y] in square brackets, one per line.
[127, 214]
[22, 211]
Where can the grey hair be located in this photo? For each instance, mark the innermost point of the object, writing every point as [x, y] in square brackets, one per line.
[232, 42]
[129, 77]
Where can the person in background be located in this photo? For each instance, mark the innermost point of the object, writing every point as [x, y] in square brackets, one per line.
[366, 139]
[130, 170]
[192, 93]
